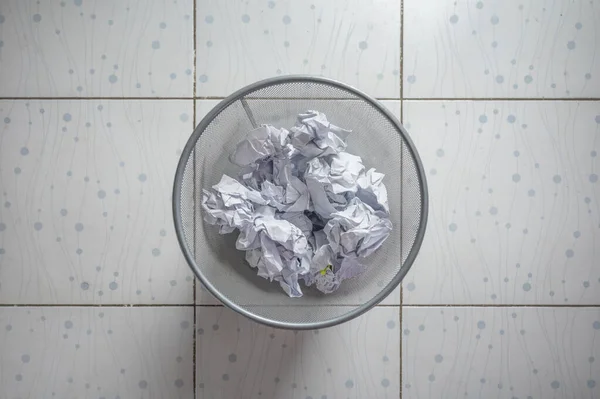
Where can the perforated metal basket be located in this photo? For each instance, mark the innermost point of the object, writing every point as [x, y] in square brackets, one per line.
[377, 137]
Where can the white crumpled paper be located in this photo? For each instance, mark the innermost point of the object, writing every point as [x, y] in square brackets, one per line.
[307, 211]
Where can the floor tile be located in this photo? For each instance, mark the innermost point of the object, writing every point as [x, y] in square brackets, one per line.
[91, 352]
[514, 202]
[85, 213]
[96, 48]
[238, 358]
[495, 48]
[202, 108]
[500, 352]
[354, 42]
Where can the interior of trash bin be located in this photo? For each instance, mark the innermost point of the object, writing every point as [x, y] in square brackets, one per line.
[376, 138]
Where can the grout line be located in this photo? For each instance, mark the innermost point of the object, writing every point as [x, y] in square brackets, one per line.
[194, 75]
[434, 305]
[546, 99]
[87, 305]
[400, 334]
[190, 98]
[401, 169]
[194, 347]
[96, 98]
[401, 49]
[439, 305]
[194, 196]
[194, 159]
[499, 99]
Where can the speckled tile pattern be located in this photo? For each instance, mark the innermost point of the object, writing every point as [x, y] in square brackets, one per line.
[96, 352]
[514, 211]
[98, 98]
[352, 41]
[79, 180]
[77, 48]
[238, 358]
[505, 49]
[500, 352]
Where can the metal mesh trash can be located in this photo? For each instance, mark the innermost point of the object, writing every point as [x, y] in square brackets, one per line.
[377, 137]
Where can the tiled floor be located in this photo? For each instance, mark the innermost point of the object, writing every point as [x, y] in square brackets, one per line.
[97, 99]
